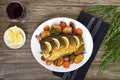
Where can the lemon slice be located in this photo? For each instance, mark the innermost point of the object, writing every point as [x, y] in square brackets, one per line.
[16, 30]
[12, 41]
[9, 33]
[57, 42]
[66, 41]
[20, 39]
[11, 37]
[77, 41]
[48, 46]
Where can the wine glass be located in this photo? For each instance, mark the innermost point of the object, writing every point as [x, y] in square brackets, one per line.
[16, 11]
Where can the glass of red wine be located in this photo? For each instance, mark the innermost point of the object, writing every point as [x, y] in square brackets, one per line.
[15, 11]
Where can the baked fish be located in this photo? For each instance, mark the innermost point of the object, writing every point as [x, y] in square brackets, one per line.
[56, 46]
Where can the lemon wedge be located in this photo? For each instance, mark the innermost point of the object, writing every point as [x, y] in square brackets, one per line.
[77, 41]
[48, 46]
[20, 39]
[9, 33]
[16, 30]
[57, 42]
[11, 37]
[66, 41]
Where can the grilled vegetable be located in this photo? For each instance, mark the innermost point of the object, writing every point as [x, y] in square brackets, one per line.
[42, 58]
[58, 62]
[79, 58]
[56, 27]
[66, 58]
[80, 50]
[79, 31]
[66, 64]
[72, 25]
[44, 34]
[46, 28]
[71, 60]
[67, 30]
[49, 62]
[63, 24]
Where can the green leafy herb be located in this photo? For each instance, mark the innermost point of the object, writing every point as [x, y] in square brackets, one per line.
[111, 41]
[53, 31]
[98, 9]
[84, 51]
[103, 11]
[73, 56]
[41, 52]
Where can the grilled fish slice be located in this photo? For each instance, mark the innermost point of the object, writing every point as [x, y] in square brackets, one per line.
[68, 44]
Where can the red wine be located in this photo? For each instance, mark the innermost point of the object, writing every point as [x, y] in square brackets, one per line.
[15, 10]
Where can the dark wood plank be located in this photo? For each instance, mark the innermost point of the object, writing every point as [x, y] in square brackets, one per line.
[42, 13]
[64, 2]
[25, 72]
[111, 73]
[25, 47]
[17, 57]
[37, 72]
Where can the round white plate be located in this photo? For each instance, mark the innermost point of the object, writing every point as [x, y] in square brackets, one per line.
[36, 49]
[18, 46]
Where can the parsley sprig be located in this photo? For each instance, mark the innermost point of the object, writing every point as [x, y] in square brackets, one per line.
[53, 31]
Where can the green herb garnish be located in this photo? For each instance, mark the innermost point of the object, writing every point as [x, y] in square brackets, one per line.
[73, 56]
[83, 52]
[41, 52]
[53, 31]
[111, 43]
[103, 12]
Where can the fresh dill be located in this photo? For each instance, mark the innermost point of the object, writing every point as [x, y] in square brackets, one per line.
[112, 38]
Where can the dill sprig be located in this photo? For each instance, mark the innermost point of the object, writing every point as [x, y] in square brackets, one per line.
[112, 38]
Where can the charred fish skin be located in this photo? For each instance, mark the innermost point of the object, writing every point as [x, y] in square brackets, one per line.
[67, 45]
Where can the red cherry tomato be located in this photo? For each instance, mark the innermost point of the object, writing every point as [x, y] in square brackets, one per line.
[42, 58]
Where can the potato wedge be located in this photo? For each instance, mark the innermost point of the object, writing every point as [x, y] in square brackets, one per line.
[79, 51]
[78, 58]
[67, 30]
[44, 34]
[49, 62]
[58, 62]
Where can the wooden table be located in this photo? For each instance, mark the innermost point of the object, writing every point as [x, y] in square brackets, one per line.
[20, 64]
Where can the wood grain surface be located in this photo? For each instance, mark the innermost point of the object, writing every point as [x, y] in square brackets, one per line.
[20, 64]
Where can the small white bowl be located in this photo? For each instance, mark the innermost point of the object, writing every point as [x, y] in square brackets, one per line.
[17, 46]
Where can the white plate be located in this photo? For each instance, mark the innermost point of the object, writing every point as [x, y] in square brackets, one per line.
[18, 46]
[36, 49]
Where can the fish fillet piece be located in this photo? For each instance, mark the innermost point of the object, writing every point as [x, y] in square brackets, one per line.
[61, 45]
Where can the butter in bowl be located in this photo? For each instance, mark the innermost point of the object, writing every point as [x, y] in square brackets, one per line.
[14, 37]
